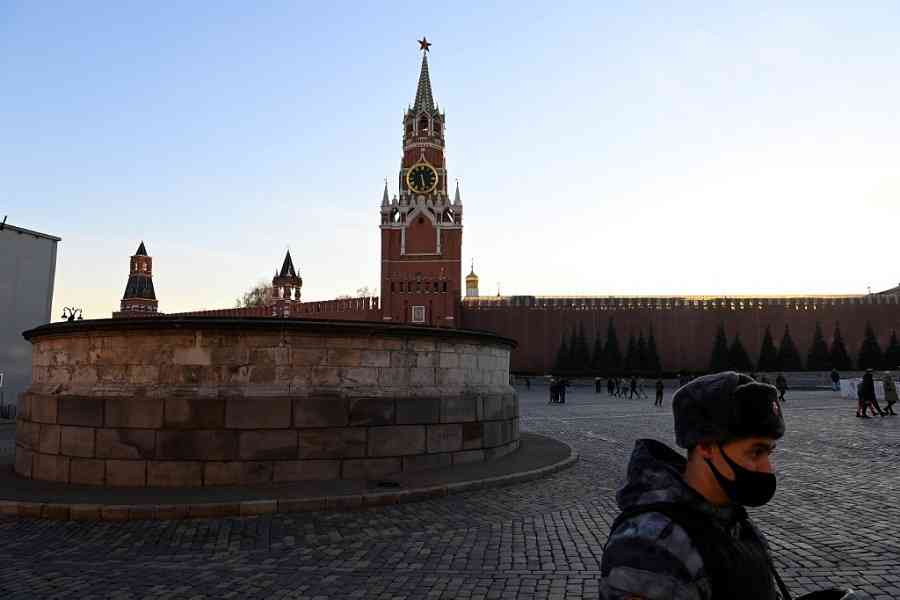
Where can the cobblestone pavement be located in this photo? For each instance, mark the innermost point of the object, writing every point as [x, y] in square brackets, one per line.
[835, 521]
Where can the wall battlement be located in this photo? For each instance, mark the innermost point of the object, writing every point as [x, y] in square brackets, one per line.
[809, 302]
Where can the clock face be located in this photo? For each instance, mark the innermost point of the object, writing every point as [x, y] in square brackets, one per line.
[422, 178]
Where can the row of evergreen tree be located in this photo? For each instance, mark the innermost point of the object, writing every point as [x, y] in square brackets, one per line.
[641, 356]
[820, 357]
[575, 356]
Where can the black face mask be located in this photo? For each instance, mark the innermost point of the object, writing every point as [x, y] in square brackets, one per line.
[749, 488]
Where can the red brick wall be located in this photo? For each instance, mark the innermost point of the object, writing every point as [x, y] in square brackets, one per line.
[421, 237]
[684, 336]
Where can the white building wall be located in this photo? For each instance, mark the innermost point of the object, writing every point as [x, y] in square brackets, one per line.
[27, 274]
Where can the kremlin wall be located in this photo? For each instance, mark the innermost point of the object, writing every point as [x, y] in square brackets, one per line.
[421, 284]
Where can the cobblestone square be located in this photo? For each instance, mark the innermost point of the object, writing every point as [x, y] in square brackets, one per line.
[834, 521]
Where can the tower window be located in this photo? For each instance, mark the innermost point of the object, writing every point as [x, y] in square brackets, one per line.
[392, 286]
[418, 314]
[423, 126]
[445, 286]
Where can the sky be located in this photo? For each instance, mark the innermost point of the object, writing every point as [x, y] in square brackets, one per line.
[650, 148]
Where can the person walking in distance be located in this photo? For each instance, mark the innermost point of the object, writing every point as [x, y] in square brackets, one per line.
[890, 392]
[781, 385]
[660, 386]
[683, 532]
[835, 380]
[633, 387]
[866, 392]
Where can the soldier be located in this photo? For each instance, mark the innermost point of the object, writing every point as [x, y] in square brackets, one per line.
[684, 533]
[660, 386]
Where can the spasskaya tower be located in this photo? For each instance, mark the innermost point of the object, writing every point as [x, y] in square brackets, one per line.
[421, 229]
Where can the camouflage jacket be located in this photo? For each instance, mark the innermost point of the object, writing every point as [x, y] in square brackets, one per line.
[649, 556]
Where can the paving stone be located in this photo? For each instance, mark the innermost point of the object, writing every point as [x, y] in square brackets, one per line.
[834, 521]
[174, 473]
[80, 410]
[338, 442]
[396, 440]
[126, 443]
[268, 444]
[77, 441]
[197, 445]
[321, 411]
[126, 473]
[142, 412]
[266, 412]
[194, 413]
[418, 410]
[90, 471]
[371, 411]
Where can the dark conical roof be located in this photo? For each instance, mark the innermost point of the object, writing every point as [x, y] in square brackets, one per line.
[140, 286]
[141, 251]
[287, 269]
[424, 98]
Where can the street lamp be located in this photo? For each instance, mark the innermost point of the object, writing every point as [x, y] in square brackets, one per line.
[72, 312]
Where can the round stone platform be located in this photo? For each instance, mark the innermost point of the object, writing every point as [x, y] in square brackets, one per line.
[186, 402]
[538, 456]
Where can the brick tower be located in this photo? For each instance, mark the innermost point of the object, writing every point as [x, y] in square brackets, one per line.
[285, 288]
[139, 298]
[421, 231]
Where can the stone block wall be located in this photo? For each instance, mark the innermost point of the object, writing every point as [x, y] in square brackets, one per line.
[212, 403]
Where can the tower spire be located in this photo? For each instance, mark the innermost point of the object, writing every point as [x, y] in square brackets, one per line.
[385, 199]
[456, 199]
[287, 268]
[424, 98]
[139, 298]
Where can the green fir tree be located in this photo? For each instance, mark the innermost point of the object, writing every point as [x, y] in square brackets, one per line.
[768, 354]
[642, 358]
[598, 364]
[738, 359]
[581, 353]
[562, 357]
[612, 354]
[632, 363]
[892, 353]
[838, 355]
[718, 360]
[818, 358]
[870, 356]
[653, 363]
[788, 355]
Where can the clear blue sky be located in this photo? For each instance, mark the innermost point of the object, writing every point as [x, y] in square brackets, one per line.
[656, 148]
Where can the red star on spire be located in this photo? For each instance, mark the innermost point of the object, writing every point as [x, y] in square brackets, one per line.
[424, 44]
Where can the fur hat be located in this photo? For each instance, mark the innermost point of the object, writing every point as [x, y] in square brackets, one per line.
[725, 406]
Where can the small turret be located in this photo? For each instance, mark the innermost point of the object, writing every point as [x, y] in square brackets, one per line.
[285, 288]
[139, 298]
[472, 283]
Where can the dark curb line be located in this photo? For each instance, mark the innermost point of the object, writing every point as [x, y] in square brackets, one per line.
[245, 508]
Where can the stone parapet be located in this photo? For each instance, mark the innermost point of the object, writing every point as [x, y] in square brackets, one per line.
[191, 402]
